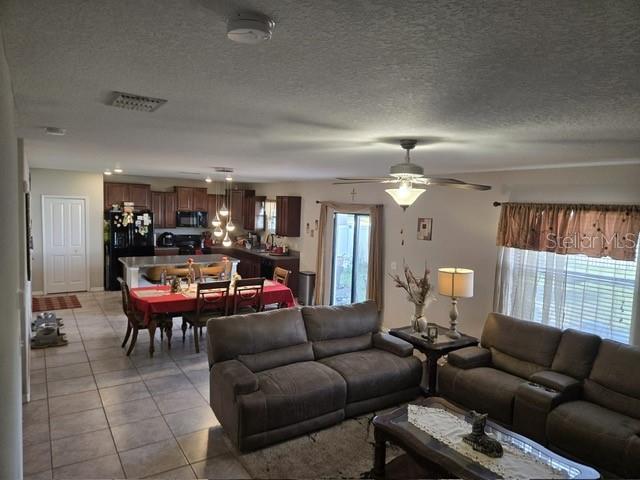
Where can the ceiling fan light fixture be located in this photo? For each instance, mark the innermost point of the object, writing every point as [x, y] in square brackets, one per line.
[405, 195]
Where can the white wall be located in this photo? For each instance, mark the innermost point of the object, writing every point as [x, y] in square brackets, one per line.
[63, 182]
[10, 326]
[464, 225]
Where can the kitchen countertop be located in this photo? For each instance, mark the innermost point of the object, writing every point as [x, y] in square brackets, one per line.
[260, 253]
[169, 260]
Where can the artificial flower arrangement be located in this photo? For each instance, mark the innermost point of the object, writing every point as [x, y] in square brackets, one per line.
[418, 293]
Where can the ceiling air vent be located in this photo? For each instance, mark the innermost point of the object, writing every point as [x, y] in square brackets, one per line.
[139, 103]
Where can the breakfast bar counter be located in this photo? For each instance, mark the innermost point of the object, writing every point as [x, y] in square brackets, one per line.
[134, 266]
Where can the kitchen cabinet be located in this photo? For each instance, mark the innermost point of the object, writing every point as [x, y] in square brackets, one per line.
[140, 195]
[288, 210]
[200, 199]
[191, 199]
[157, 207]
[249, 210]
[170, 209]
[184, 198]
[119, 193]
[164, 209]
[236, 207]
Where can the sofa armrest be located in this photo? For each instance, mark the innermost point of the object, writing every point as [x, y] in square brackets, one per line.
[392, 344]
[568, 386]
[470, 357]
[237, 376]
[532, 404]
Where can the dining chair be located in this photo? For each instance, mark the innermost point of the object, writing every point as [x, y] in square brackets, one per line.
[248, 295]
[135, 319]
[212, 301]
[280, 275]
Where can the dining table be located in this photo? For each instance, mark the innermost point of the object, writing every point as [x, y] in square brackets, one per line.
[159, 301]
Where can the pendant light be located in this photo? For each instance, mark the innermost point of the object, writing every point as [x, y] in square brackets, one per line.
[218, 231]
[216, 220]
[227, 241]
[230, 225]
[224, 211]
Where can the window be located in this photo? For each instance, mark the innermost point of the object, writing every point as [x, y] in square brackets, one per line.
[270, 212]
[594, 295]
[350, 263]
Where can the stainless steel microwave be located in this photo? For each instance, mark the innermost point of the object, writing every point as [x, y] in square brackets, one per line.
[191, 219]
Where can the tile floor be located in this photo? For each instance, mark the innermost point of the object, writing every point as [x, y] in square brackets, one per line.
[95, 413]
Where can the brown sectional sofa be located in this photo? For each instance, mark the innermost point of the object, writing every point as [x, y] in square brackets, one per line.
[279, 374]
[569, 390]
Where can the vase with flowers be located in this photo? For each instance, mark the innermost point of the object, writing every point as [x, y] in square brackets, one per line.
[418, 293]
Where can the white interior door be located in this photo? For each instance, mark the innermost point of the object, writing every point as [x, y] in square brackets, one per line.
[65, 252]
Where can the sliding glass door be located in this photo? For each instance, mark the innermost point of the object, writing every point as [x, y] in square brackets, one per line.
[350, 263]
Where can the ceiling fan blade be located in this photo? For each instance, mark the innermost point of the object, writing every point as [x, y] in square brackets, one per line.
[451, 182]
[358, 179]
[355, 181]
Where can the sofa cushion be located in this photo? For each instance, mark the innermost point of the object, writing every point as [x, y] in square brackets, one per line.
[613, 381]
[343, 328]
[291, 394]
[576, 353]
[514, 365]
[374, 373]
[486, 390]
[596, 435]
[254, 333]
[523, 340]
[257, 362]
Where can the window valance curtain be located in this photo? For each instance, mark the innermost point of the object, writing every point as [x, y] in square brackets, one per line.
[325, 249]
[593, 230]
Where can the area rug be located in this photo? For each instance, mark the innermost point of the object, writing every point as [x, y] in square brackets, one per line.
[343, 451]
[54, 302]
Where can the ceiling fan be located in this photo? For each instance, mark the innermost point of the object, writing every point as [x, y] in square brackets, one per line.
[405, 175]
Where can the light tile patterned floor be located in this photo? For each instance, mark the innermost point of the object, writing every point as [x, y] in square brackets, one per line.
[97, 414]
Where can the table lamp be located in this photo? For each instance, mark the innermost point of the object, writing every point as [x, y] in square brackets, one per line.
[455, 283]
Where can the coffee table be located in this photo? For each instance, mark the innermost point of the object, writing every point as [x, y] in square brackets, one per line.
[434, 456]
[433, 350]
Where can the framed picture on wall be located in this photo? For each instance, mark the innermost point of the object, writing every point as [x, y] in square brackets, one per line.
[425, 226]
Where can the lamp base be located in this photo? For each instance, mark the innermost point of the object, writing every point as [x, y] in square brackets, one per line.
[453, 316]
[453, 334]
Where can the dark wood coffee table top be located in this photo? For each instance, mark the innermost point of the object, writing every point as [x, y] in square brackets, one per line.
[395, 427]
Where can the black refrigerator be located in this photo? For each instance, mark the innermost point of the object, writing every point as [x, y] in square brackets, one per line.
[126, 235]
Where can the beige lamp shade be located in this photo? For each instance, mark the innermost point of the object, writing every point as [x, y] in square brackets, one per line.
[455, 282]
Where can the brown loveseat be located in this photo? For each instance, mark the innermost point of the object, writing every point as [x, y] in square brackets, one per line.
[569, 390]
[279, 374]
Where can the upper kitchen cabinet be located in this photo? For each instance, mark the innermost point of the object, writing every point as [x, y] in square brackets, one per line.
[119, 193]
[157, 207]
[191, 199]
[288, 210]
[184, 196]
[200, 199]
[249, 210]
[236, 207]
[164, 209]
[170, 209]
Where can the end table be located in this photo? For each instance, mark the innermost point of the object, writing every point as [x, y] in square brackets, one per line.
[433, 350]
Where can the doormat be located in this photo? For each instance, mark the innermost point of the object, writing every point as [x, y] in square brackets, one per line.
[57, 302]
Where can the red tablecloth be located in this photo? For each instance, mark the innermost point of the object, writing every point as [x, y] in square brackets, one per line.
[167, 302]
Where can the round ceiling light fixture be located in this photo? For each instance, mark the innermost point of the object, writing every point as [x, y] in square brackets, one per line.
[117, 170]
[250, 28]
[107, 172]
[208, 179]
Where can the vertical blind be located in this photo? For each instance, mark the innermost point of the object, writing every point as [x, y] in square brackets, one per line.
[594, 295]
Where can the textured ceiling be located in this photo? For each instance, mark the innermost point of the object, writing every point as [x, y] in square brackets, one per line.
[491, 85]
